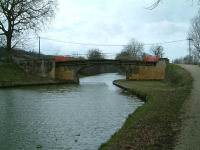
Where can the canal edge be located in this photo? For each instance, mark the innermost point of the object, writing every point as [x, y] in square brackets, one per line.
[138, 93]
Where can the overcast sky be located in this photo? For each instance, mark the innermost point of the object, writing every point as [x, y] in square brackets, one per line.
[116, 22]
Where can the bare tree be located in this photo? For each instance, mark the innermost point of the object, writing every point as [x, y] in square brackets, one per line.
[157, 50]
[157, 2]
[20, 16]
[154, 5]
[194, 34]
[132, 51]
[195, 57]
[95, 54]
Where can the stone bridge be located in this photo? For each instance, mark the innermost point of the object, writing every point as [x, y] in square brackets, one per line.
[135, 70]
[69, 70]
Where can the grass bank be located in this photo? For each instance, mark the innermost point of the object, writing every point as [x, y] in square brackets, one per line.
[154, 125]
[11, 75]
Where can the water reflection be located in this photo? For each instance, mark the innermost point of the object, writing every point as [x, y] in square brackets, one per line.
[63, 117]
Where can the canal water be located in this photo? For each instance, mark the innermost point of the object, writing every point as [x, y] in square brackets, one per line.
[64, 117]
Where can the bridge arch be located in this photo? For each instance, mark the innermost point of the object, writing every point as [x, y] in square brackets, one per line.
[135, 70]
[93, 69]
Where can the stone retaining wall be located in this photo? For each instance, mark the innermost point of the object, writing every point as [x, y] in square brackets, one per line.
[43, 68]
[155, 72]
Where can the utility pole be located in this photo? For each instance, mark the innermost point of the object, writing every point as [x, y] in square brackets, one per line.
[189, 40]
[39, 46]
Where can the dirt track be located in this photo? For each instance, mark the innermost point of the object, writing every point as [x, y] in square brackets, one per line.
[189, 138]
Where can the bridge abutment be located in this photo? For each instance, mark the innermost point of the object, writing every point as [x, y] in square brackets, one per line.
[67, 73]
[144, 72]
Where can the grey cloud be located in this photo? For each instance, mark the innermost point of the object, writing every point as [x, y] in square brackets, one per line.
[117, 21]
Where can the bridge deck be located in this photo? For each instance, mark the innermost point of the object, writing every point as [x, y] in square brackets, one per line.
[106, 61]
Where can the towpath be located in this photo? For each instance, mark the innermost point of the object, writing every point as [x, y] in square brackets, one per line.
[189, 138]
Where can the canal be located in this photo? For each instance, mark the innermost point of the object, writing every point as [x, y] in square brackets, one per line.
[64, 117]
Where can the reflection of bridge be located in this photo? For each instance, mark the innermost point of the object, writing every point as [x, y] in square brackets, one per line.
[135, 70]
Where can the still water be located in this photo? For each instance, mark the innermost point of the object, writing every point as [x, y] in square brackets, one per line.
[64, 117]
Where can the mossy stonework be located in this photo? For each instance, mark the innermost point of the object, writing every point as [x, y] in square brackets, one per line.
[139, 71]
[42, 68]
[66, 73]
[156, 72]
[11, 76]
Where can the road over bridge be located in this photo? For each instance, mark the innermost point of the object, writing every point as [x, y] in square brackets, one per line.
[135, 70]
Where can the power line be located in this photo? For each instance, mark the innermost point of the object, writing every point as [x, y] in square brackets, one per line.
[169, 42]
[79, 43]
[111, 45]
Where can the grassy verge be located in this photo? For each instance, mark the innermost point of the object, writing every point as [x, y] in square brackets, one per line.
[11, 75]
[154, 125]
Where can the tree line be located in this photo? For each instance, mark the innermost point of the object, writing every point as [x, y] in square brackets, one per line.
[134, 50]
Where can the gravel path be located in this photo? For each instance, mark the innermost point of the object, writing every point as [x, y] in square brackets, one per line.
[189, 138]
